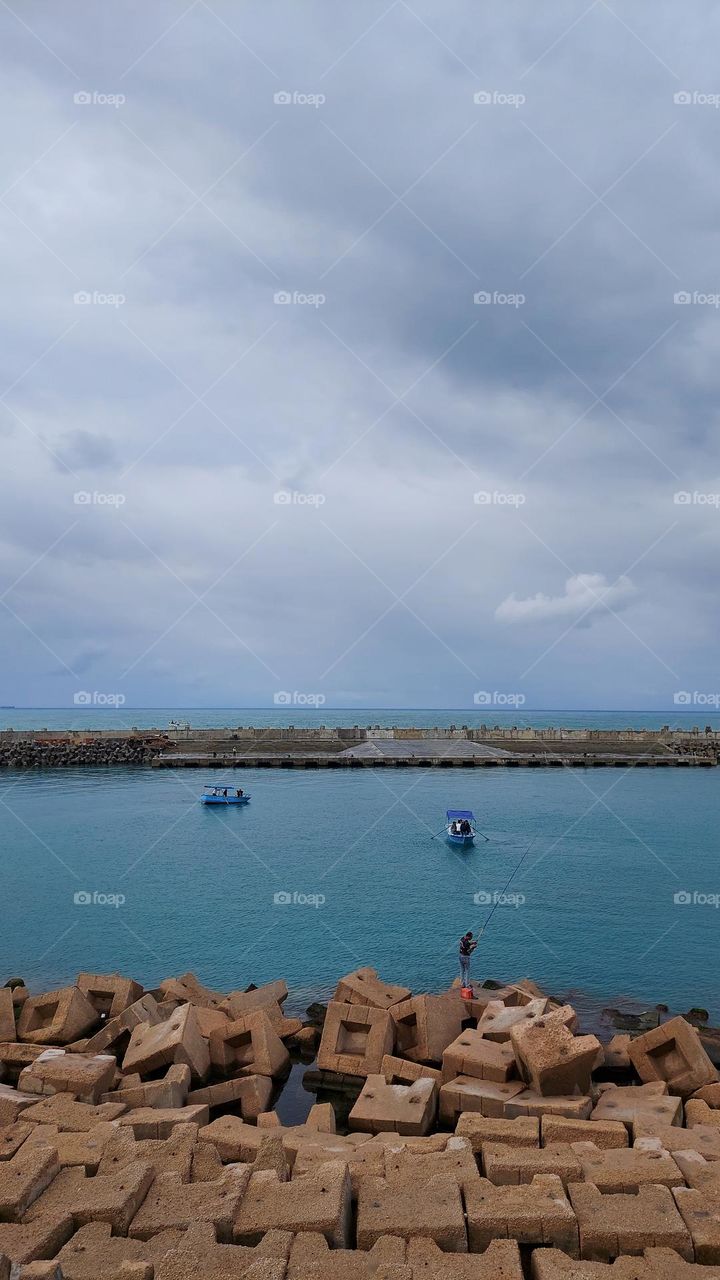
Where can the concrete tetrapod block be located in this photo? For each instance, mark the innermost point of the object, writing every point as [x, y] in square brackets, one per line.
[701, 1215]
[697, 1112]
[58, 1017]
[251, 1044]
[362, 1162]
[400, 1071]
[69, 1115]
[483, 1096]
[672, 1052]
[403, 1108]
[699, 1173]
[426, 1025]
[507, 1166]
[239, 1003]
[647, 1102]
[471, 1054]
[110, 993]
[311, 1256]
[624, 1170]
[199, 1257]
[400, 1209]
[673, 1138]
[318, 1201]
[13, 1103]
[12, 1137]
[115, 1033]
[23, 1243]
[363, 986]
[173, 1154]
[611, 1225]
[177, 1040]
[94, 1253]
[551, 1059]
[656, 1264]
[189, 988]
[7, 1015]
[114, 1199]
[84, 1076]
[709, 1093]
[416, 1168]
[537, 1214]
[154, 1122]
[529, 1103]
[523, 1131]
[170, 1091]
[355, 1039]
[85, 1149]
[172, 1203]
[499, 1019]
[23, 1178]
[500, 1261]
[251, 1093]
[607, 1134]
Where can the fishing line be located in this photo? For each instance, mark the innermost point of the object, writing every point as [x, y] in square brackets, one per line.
[498, 898]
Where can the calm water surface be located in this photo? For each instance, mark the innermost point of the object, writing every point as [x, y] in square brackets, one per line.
[596, 908]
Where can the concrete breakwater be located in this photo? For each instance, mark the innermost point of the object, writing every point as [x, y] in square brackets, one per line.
[357, 747]
[472, 1134]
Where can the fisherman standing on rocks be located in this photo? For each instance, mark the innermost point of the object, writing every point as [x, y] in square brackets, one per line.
[467, 946]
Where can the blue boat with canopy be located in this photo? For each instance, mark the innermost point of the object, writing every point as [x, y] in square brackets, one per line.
[460, 827]
[219, 793]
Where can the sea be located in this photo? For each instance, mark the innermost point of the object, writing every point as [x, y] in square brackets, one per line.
[605, 883]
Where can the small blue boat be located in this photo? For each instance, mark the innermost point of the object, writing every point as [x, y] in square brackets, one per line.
[220, 794]
[460, 827]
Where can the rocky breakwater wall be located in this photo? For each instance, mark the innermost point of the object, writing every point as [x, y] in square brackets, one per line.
[35, 751]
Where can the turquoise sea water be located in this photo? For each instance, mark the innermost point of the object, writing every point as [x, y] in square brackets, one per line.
[608, 853]
[103, 717]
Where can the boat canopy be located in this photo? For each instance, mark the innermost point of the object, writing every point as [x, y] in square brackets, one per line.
[221, 786]
[457, 815]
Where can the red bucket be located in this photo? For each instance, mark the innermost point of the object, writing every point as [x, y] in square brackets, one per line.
[466, 993]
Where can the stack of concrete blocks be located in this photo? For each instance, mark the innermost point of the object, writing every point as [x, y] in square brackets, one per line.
[114, 1167]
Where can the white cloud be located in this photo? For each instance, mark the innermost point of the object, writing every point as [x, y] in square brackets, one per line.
[583, 592]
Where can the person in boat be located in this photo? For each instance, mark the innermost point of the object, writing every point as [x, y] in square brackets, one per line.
[225, 792]
[240, 792]
[467, 946]
[465, 828]
[454, 828]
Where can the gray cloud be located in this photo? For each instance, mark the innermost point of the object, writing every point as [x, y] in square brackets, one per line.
[197, 397]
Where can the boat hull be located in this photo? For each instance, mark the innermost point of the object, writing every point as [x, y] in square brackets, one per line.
[224, 799]
[462, 841]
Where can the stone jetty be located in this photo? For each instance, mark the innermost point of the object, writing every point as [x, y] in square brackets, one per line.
[355, 747]
[477, 1134]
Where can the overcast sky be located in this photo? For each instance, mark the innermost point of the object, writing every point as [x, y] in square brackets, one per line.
[450, 461]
